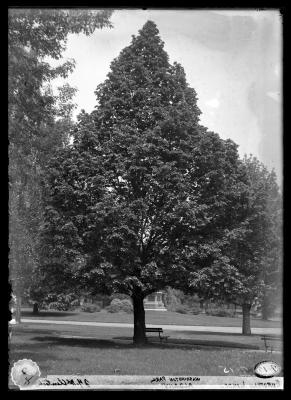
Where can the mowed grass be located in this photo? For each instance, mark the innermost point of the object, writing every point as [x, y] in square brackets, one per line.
[152, 317]
[107, 351]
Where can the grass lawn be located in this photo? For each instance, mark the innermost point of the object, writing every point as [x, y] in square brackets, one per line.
[152, 317]
[105, 351]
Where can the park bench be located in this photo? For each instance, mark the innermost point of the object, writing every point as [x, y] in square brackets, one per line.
[159, 331]
[269, 341]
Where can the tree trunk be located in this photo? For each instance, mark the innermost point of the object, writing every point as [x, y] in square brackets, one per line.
[265, 307]
[206, 306]
[35, 308]
[17, 309]
[139, 335]
[265, 313]
[246, 327]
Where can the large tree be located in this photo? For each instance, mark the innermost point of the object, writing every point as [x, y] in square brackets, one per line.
[140, 197]
[39, 120]
[249, 270]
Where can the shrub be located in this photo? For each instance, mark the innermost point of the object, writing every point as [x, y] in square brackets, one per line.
[114, 306]
[195, 310]
[58, 305]
[185, 309]
[118, 305]
[220, 312]
[60, 302]
[192, 301]
[181, 309]
[173, 299]
[90, 308]
[75, 303]
[119, 296]
[101, 299]
[126, 306]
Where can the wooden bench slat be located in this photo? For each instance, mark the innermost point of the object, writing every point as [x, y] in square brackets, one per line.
[159, 331]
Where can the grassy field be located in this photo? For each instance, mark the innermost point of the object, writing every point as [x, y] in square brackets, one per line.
[152, 317]
[100, 350]
[71, 350]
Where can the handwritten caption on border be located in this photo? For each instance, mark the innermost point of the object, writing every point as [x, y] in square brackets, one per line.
[68, 382]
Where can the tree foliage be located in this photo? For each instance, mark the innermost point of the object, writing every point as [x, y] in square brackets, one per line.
[39, 120]
[34, 35]
[251, 267]
[145, 192]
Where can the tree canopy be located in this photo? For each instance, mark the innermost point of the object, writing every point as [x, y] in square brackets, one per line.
[250, 269]
[145, 193]
[39, 120]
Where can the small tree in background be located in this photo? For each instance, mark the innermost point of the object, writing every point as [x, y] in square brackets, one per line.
[249, 267]
[142, 193]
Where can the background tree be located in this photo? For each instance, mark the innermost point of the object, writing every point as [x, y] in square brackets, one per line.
[39, 121]
[141, 194]
[271, 297]
[249, 268]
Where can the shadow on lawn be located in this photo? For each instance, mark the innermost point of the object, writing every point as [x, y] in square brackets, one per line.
[220, 333]
[26, 313]
[200, 343]
[126, 343]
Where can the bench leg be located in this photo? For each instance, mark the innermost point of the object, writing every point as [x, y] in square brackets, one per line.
[266, 346]
[270, 348]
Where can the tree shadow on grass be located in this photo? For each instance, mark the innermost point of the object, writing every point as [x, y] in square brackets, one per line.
[220, 333]
[80, 342]
[205, 344]
[43, 314]
[126, 343]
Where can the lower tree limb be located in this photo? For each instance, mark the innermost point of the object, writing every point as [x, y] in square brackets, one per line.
[246, 325]
[139, 336]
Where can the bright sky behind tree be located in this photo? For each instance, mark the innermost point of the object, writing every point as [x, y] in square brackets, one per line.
[232, 58]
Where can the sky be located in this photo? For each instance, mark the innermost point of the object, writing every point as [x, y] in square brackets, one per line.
[232, 58]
